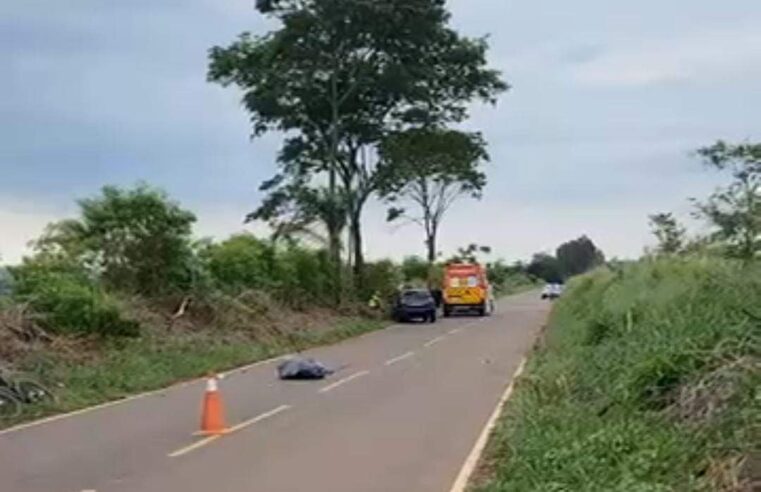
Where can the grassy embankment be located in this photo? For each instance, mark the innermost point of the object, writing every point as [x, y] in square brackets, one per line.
[647, 379]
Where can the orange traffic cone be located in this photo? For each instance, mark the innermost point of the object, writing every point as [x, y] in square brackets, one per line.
[213, 412]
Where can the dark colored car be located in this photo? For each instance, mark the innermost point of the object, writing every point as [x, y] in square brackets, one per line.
[415, 304]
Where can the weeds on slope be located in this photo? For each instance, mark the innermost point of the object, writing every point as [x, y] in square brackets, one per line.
[649, 379]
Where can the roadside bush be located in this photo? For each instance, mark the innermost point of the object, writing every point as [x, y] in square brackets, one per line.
[303, 277]
[69, 303]
[137, 240]
[414, 268]
[241, 262]
[382, 277]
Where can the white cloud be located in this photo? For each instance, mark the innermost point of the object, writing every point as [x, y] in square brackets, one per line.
[709, 55]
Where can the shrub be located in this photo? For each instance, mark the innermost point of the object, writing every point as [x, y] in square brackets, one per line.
[241, 262]
[69, 303]
[382, 277]
[303, 277]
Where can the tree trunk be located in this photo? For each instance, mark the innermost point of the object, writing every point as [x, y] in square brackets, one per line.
[356, 242]
[334, 240]
[334, 229]
[431, 244]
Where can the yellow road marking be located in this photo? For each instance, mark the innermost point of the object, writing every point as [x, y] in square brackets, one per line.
[207, 440]
[343, 381]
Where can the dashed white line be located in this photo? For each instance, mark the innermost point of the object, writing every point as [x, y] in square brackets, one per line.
[259, 418]
[203, 442]
[400, 358]
[198, 444]
[433, 341]
[343, 381]
[455, 331]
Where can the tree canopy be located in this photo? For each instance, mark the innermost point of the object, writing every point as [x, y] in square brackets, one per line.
[546, 267]
[578, 256]
[432, 168]
[668, 231]
[735, 210]
[339, 75]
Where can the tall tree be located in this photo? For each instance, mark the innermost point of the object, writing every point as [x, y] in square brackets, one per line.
[545, 267]
[432, 168]
[578, 256]
[735, 210]
[340, 74]
[668, 231]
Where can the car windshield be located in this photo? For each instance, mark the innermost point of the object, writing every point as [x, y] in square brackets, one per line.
[416, 295]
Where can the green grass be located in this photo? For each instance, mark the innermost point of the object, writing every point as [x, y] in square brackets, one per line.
[648, 380]
[126, 367]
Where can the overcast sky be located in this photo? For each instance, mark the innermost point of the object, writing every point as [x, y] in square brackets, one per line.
[608, 101]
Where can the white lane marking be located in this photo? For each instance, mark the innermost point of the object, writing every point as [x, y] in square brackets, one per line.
[400, 358]
[343, 381]
[194, 446]
[455, 331]
[207, 440]
[461, 482]
[259, 418]
[434, 341]
[139, 396]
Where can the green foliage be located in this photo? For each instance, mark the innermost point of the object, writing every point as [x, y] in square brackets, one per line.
[69, 303]
[136, 240]
[338, 76]
[670, 234]
[578, 256]
[735, 210]
[241, 262]
[295, 275]
[508, 278]
[546, 267]
[382, 277]
[647, 380]
[303, 277]
[414, 268]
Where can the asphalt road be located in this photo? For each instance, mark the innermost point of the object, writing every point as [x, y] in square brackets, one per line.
[402, 415]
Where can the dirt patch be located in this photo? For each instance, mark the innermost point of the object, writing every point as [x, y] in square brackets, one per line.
[699, 402]
[735, 473]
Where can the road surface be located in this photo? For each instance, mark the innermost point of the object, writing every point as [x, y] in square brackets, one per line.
[402, 415]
